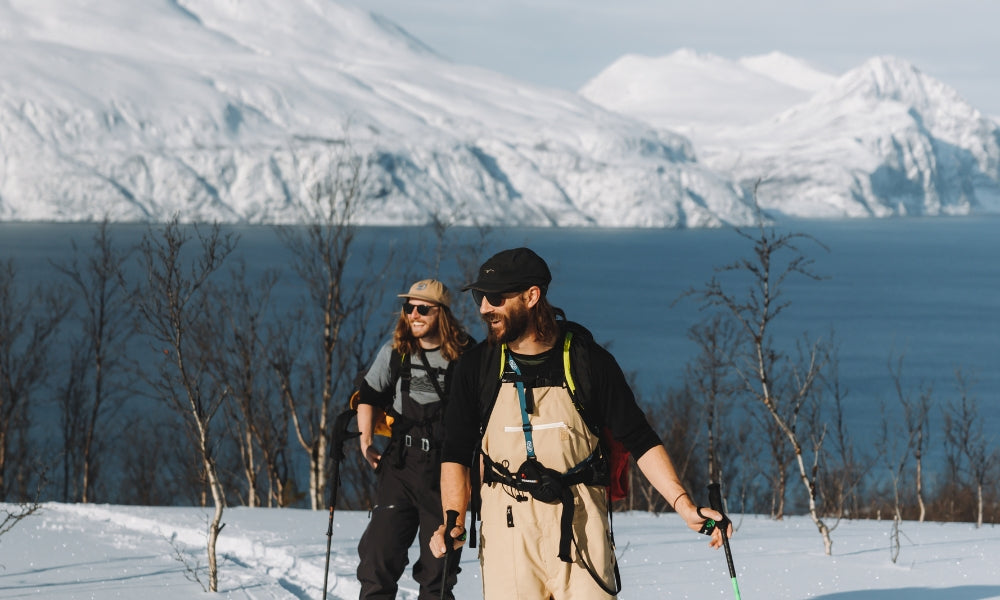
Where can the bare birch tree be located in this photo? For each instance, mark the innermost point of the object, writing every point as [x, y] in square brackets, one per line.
[845, 468]
[916, 417]
[315, 372]
[712, 378]
[29, 319]
[240, 364]
[176, 312]
[106, 325]
[766, 366]
[894, 447]
[971, 448]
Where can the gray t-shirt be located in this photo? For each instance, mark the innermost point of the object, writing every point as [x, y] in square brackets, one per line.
[421, 389]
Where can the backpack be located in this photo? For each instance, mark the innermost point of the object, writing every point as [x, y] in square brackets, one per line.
[399, 366]
[383, 421]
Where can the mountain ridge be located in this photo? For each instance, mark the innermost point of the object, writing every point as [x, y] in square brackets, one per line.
[213, 110]
[232, 112]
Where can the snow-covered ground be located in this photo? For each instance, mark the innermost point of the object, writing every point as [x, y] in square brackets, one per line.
[99, 551]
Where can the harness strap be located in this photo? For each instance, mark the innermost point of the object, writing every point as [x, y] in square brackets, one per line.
[423, 438]
[432, 373]
[529, 443]
[585, 473]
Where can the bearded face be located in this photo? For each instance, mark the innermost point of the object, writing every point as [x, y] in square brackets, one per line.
[507, 323]
[421, 325]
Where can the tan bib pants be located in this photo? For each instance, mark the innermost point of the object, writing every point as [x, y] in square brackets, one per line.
[520, 540]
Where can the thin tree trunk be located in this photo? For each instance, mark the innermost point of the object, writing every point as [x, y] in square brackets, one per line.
[824, 530]
[779, 496]
[979, 505]
[920, 490]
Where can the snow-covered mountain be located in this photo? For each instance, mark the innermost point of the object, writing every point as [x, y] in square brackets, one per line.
[883, 139]
[223, 110]
[232, 111]
[695, 93]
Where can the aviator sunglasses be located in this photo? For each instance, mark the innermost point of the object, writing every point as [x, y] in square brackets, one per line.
[422, 309]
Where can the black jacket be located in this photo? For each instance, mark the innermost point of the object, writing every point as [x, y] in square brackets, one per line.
[611, 402]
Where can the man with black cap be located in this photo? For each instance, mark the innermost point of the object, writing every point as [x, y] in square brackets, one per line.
[409, 380]
[537, 393]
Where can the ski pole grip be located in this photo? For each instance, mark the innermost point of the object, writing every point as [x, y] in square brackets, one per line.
[451, 519]
[715, 501]
[715, 497]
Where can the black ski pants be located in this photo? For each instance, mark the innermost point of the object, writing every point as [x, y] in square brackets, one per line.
[407, 499]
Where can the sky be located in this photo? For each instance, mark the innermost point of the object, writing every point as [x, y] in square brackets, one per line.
[70, 552]
[563, 43]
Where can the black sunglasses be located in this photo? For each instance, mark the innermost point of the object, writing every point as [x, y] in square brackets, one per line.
[422, 309]
[494, 298]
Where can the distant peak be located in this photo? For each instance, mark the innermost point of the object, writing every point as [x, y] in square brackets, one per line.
[889, 72]
[893, 78]
[890, 79]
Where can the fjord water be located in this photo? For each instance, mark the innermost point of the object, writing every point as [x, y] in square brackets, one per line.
[926, 289]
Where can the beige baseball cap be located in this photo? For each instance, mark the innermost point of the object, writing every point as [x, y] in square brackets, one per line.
[430, 290]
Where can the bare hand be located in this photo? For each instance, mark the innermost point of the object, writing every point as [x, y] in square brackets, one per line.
[371, 455]
[437, 545]
[696, 522]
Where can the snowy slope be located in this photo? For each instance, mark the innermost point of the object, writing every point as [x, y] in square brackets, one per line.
[214, 109]
[883, 139]
[788, 70]
[88, 551]
[693, 93]
[697, 93]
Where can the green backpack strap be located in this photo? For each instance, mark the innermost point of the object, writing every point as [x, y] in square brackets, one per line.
[567, 340]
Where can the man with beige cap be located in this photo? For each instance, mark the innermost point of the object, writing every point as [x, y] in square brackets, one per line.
[409, 381]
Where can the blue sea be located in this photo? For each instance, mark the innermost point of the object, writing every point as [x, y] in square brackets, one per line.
[924, 289]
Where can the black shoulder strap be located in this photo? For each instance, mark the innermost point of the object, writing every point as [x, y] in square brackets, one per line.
[490, 374]
[579, 375]
[399, 368]
[432, 375]
[396, 363]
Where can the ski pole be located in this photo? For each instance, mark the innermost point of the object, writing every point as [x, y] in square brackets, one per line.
[340, 435]
[715, 501]
[329, 541]
[451, 518]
